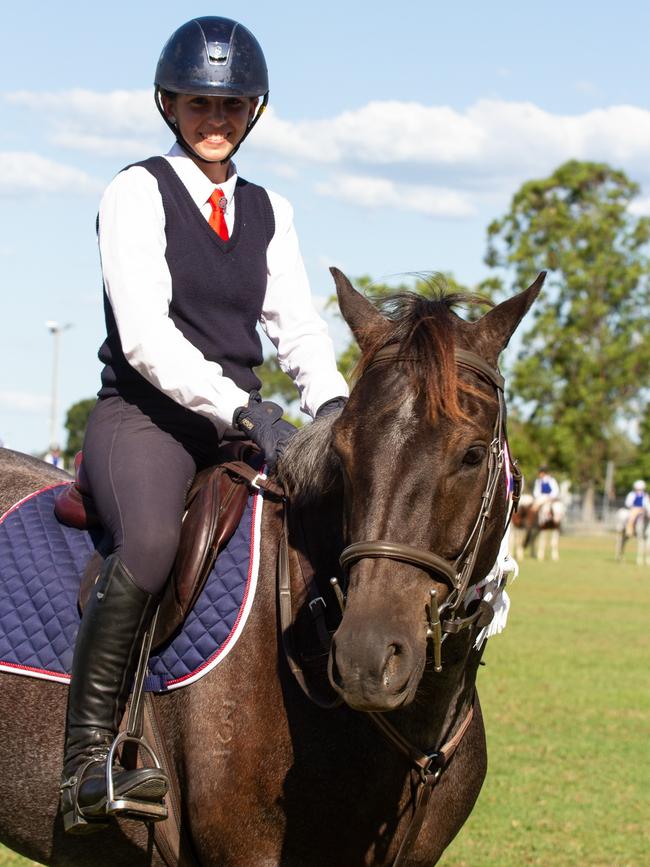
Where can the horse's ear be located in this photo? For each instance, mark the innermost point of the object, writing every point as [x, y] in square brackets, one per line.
[500, 323]
[358, 312]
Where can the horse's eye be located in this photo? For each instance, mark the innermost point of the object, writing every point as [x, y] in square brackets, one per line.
[474, 456]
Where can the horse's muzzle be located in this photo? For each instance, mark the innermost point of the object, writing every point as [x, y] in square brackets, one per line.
[374, 673]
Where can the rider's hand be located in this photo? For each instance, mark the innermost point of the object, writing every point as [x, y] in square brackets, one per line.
[262, 422]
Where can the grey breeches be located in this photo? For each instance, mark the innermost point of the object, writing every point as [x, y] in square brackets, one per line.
[140, 460]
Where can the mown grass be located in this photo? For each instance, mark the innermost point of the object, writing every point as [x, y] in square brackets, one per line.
[566, 700]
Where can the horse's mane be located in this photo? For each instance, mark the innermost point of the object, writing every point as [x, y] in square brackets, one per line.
[424, 327]
[309, 467]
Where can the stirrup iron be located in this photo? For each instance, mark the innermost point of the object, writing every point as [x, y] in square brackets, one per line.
[134, 808]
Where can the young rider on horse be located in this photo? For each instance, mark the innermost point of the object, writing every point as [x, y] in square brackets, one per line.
[193, 257]
[638, 502]
[545, 489]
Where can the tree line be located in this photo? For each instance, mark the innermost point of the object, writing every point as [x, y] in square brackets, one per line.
[578, 381]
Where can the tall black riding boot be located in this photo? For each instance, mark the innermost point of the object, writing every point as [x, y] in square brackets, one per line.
[106, 655]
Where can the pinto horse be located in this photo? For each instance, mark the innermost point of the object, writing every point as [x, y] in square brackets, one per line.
[408, 485]
[531, 526]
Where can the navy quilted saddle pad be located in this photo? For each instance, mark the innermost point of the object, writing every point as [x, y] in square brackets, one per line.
[41, 562]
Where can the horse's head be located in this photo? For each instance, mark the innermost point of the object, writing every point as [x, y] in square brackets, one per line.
[421, 445]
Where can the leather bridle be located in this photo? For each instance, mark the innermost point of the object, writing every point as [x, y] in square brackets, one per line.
[445, 619]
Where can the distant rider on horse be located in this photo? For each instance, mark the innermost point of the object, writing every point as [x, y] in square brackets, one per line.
[638, 503]
[193, 258]
[545, 491]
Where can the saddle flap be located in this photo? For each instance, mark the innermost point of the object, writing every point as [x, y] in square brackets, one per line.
[215, 505]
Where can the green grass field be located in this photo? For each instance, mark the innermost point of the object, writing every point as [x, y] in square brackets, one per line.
[566, 700]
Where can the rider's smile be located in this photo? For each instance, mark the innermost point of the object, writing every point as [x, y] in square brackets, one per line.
[211, 125]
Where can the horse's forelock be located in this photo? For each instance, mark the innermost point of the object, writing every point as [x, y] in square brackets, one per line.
[425, 330]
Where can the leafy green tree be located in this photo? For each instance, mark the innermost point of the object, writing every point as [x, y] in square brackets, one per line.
[76, 422]
[585, 360]
[637, 465]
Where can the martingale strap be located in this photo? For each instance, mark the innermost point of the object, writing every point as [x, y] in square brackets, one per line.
[429, 769]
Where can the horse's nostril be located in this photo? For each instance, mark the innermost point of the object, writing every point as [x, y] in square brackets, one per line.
[391, 664]
[334, 674]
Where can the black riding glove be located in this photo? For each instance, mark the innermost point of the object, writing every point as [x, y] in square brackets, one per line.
[262, 421]
[333, 405]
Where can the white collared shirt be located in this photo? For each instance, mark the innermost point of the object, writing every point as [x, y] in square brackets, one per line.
[139, 287]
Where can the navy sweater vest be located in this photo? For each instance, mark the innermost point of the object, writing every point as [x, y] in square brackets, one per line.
[218, 286]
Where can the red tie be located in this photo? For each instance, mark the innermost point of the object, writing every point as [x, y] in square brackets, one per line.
[217, 219]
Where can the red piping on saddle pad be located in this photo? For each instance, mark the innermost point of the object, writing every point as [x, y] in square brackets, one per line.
[29, 497]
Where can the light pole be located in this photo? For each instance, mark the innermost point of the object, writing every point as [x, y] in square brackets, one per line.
[55, 330]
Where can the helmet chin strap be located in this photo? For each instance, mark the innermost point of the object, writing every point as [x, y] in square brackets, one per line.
[189, 150]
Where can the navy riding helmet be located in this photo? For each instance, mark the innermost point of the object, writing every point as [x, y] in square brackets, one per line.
[212, 56]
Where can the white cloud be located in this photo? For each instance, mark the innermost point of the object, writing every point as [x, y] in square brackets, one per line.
[509, 137]
[121, 122]
[105, 146]
[443, 154]
[119, 111]
[373, 192]
[29, 172]
[24, 401]
[525, 137]
[640, 207]
[379, 132]
[513, 134]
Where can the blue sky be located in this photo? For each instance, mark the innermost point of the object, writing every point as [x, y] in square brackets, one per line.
[398, 131]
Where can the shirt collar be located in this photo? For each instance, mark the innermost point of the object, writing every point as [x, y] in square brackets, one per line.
[198, 185]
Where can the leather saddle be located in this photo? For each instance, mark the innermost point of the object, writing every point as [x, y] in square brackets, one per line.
[213, 509]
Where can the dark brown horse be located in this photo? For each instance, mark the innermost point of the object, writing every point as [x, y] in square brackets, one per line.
[267, 777]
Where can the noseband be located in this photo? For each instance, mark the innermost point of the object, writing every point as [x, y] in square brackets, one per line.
[445, 619]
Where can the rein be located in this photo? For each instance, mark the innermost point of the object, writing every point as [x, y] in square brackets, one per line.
[445, 619]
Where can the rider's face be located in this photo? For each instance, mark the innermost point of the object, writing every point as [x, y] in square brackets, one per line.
[211, 125]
